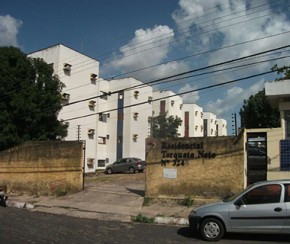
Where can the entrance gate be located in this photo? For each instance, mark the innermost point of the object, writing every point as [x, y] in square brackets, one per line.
[256, 157]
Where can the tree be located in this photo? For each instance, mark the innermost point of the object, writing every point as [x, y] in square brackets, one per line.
[165, 127]
[257, 111]
[30, 99]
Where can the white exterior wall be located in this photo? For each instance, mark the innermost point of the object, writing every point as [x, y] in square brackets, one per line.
[79, 86]
[136, 113]
[222, 127]
[211, 123]
[195, 119]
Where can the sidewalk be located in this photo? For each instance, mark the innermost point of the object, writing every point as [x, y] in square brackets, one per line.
[103, 203]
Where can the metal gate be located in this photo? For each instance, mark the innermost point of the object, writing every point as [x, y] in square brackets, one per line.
[256, 157]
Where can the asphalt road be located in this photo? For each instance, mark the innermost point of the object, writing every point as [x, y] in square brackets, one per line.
[23, 226]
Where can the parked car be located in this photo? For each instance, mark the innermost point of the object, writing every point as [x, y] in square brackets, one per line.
[122, 165]
[263, 207]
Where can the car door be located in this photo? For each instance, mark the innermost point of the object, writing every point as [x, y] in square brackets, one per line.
[259, 210]
[287, 203]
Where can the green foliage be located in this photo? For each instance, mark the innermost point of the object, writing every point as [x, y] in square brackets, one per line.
[285, 70]
[187, 201]
[165, 127]
[142, 219]
[258, 113]
[30, 100]
[147, 201]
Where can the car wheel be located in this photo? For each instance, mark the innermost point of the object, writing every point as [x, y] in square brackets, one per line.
[131, 170]
[109, 171]
[212, 229]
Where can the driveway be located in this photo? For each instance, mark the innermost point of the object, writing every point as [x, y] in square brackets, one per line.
[118, 183]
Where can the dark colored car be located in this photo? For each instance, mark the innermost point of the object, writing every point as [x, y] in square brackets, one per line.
[263, 207]
[123, 165]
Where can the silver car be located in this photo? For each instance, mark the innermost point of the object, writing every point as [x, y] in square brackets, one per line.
[126, 165]
[263, 207]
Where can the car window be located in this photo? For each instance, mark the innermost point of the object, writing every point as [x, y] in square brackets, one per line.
[263, 194]
[287, 193]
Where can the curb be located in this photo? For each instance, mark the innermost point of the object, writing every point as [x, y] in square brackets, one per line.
[96, 215]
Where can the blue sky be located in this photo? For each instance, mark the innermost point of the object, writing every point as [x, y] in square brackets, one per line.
[173, 36]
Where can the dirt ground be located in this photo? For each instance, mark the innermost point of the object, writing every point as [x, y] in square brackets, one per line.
[121, 178]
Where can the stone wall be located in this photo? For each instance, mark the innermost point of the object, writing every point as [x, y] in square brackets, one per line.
[207, 167]
[42, 168]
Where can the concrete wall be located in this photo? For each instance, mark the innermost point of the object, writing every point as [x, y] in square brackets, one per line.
[205, 167]
[42, 168]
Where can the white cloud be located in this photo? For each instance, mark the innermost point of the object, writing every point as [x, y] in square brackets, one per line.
[220, 23]
[148, 48]
[233, 97]
[191, 97]
[9, 28]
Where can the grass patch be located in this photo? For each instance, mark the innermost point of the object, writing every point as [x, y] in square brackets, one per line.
[147, 201]
[60, 192]
[187, 201]
[143, 219]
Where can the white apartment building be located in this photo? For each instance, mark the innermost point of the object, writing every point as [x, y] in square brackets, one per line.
[210, 124]
[112, 116]
[170, 103]
[111, 119]
[193, 120]
[221, 127]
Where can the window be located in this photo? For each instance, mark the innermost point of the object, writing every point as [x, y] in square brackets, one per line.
[104, 95]
[263, 194]
[103, 117]
[102, 140]
[120, 116]
[101, 163]
[287, 124]
[120, 95]
[120, 139]
[287, 193]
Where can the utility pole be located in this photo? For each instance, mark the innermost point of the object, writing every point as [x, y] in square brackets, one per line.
[79, 132]
[234, 125]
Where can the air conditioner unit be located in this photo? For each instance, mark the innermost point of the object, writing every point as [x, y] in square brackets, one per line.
[67, 67]
[136, 115]
[135, 136]
[136, 93]
[65, 96]
[94, 76]
[90, 161]
[150, 99]
[91, 131]
[181, 106]
[92, 103]
[196, 127]
[172, 103]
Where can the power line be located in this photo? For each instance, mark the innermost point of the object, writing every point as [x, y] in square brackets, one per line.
[178, 94]
[184, 73]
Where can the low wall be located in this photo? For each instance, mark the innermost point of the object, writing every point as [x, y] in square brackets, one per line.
[209, 167]
[42, 168]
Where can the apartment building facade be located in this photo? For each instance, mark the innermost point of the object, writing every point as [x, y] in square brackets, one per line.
[112, 117]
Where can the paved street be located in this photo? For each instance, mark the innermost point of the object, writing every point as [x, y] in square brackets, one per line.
[22, 226]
